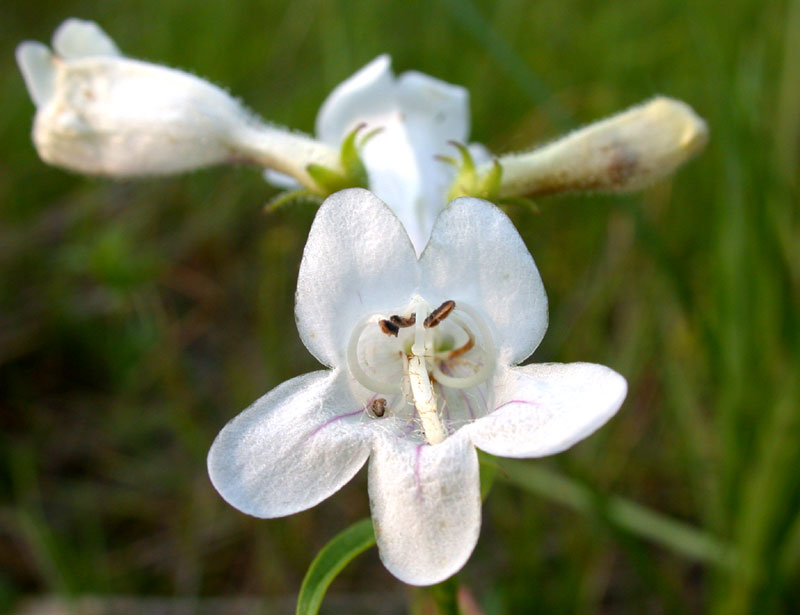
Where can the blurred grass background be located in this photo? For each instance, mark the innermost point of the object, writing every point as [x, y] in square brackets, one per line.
[136, 318]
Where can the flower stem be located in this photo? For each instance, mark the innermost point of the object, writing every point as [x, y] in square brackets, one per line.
[445, 597]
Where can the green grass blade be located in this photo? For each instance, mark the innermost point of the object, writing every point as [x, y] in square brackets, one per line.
[623, 514]
[330, 561]
[467, 15]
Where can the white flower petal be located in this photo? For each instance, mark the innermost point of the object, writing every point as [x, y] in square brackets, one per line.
[475, 254]
[292, 448]
[397, 178]
[401, 160]
[426, 506]
[76, 38]
[440, 107]
[357, 261]
[544, 409]
[36, 63]
[480, 153]
[417, 115]
[395, 175]
[368, 92]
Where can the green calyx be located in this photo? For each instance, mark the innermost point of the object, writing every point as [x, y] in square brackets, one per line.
[293, 197]
[352, 174]
[468, 181]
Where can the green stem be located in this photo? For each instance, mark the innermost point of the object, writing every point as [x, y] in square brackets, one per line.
[624, 514]
[445, 597]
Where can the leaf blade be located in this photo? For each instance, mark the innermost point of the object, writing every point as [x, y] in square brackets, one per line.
[330, 561]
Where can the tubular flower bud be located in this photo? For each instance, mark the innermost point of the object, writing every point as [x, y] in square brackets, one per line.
[623, 153]
[101, 113]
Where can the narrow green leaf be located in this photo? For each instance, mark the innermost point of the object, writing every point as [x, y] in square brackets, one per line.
[628, 516]
[330, 561]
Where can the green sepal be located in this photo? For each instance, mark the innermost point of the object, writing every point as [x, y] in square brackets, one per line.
[292, 197]
[353, 173]
[447, 159]
[468, 181]
[330, 561]
[329, 180]
[351, 160]
[467, 162]
[491, 181]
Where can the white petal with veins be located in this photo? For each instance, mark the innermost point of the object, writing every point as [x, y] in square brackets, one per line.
[292, 448]
[358, 260]
[475, 249]
[543, 409]
[426, 506]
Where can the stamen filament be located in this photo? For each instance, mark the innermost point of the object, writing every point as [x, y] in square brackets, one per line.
[423, 367]
[487, 346]
[367, 381]
[456, 352]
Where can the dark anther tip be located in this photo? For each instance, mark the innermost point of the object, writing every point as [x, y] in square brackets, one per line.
[388, 327]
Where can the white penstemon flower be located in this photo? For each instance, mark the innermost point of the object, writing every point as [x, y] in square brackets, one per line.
[422, 353]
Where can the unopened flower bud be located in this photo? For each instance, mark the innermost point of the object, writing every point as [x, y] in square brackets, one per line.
[626, 152]
[101, 113]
